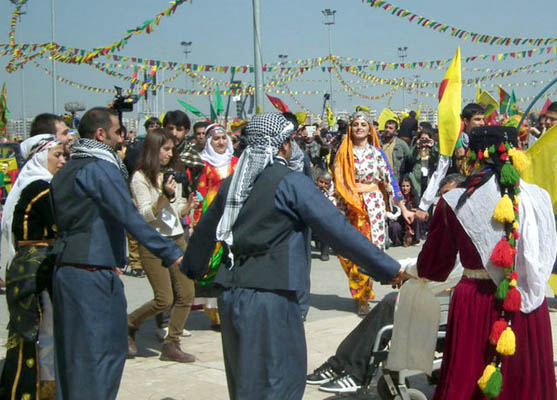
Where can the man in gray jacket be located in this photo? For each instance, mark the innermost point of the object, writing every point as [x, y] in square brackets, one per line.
[263, 213]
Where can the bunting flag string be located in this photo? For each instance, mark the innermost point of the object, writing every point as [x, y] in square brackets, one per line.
[167, 89]
[440, 64]
[422, 84]
[86, 56]
[13, 22]
[349, 89]
[454, 31]
[69, 55]
[250, 91]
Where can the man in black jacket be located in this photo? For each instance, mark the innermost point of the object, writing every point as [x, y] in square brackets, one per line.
[263, 213]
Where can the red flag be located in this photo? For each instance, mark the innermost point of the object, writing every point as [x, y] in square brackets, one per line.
[279, 104]
[545, 106]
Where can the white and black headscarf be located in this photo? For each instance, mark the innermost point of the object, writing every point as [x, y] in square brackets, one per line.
[90, 148]
[209, 154]
[35, 151]
[265, 133]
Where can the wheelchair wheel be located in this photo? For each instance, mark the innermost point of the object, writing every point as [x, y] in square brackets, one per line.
[385, 393]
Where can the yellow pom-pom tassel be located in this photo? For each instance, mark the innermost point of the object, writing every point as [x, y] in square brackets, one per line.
[515, 225]
[486, 153]
[488, 371]
[512, 283]
[519, 159]
[507, 343]
[504, 211]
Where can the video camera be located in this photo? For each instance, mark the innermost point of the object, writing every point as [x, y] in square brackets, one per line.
[123, 103]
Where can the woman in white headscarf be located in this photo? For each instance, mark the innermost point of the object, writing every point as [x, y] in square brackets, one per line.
[27, 234]
[218, 156]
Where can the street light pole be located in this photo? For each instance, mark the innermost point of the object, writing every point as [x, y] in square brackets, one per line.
[53, 34]
[402, 55]
[329, 20]
[282, 58]
[186, 49]
[258, 64]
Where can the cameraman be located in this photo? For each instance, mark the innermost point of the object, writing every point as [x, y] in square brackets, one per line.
[425, 156]
[159, 200]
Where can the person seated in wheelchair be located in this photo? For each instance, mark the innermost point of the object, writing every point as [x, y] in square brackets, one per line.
[347, 369]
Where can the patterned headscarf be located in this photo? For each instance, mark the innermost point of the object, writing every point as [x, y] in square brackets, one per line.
[265, 133]
[209, 154]
[344, 170]
[35, 168]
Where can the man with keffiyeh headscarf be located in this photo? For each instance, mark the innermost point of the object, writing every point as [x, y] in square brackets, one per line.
[92, 210]
[262, 213]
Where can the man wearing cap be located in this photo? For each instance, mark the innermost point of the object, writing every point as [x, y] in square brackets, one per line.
[263, 213]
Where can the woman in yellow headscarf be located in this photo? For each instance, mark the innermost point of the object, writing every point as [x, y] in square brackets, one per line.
[366, 189]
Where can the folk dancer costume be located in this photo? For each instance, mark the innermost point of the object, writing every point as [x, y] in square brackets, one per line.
[263, 213]
[365, 189]
[217, 168]
[498, 334]
[27, 233]
[93, 210]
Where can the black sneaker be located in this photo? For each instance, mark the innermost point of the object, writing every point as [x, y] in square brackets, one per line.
[321, 375]
[345, 383]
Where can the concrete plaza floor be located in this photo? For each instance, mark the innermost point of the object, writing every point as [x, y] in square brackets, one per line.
[331, 317]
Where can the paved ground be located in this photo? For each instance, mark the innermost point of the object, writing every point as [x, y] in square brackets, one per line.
[331, 317]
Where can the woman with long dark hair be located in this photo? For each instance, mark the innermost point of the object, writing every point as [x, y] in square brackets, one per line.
[160, 201]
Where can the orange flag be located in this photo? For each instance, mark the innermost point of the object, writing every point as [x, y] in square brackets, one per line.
[279, 104]
[448, 111]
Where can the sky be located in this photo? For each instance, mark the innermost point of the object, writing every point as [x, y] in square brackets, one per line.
[221, 33]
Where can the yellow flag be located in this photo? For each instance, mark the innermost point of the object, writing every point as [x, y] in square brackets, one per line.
[301, 117]
[386, 114]
[362, 108]
[418, 112]
[543, 159]
[330, 117]
[553, 283]
[448, 111]
[487, 100]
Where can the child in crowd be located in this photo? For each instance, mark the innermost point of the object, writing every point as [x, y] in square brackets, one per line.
[324, 181]
[400, 232]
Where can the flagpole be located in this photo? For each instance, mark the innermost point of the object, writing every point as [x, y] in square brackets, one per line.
[257, 55]
[540, 94]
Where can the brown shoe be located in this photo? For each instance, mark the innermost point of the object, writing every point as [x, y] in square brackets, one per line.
[132, 347]
[171, 352]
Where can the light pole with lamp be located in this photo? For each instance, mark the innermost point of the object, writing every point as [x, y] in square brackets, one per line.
[186, 49]
[402, 54]
[282, 58]
[329, 20]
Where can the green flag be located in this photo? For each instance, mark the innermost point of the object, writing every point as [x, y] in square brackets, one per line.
[191, 108]
[513, 107]
[4, 113]
[218, 102]
[504, 99]
[213, 112]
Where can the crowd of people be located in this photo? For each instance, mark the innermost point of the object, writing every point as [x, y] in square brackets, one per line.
[223, 221]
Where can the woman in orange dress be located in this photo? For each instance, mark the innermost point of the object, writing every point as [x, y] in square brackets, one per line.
[366, 189]
[219, 164]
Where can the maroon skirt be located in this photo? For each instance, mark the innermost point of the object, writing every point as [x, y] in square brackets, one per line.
[528, 374]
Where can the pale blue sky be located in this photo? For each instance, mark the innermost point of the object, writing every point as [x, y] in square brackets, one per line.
[221, 32]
